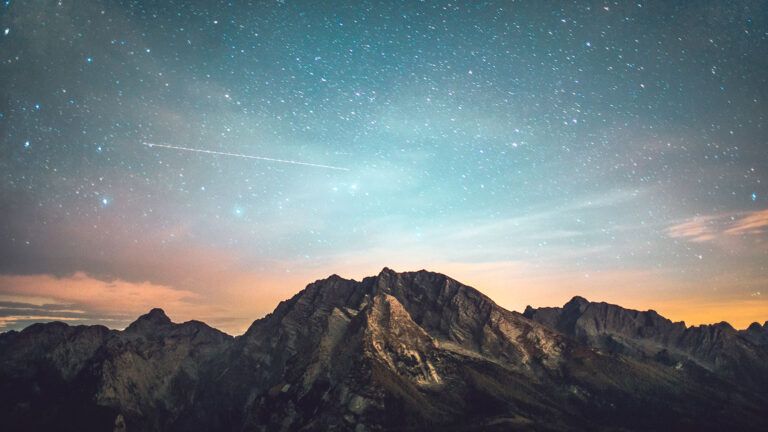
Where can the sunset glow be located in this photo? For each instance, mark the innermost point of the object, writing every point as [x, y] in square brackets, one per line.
[213, 160]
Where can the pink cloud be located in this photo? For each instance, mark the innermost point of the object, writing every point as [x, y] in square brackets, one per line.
[101, 298]
[712, 227]
[698, 229]
[752, 223]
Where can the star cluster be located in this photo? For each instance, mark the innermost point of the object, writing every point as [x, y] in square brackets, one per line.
[534, 148]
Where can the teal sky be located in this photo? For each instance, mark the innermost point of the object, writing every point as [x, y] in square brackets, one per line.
[537, 150]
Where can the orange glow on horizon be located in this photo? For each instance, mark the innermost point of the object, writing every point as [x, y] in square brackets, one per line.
[239, 299]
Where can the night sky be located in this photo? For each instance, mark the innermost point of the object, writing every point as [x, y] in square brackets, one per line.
[535, 150]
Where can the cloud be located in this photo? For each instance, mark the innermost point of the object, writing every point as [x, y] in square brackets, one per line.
[709, 228]
[698, 229]
[752, 223]
[81, 298]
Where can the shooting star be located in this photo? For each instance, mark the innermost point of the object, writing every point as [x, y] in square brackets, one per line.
[148, 144]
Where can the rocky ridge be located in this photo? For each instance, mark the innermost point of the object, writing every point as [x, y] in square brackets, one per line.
[397, 351]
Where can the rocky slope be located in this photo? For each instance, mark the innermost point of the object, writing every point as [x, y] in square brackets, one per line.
[756, 333]
[719, 348]
[398, 351]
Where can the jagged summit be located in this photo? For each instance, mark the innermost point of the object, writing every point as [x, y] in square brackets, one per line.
[577, 301]
[387, 270]
[642, 334]
[151, 321]
[156, 315]
[757, 334]
[417, 290]
[416, 350]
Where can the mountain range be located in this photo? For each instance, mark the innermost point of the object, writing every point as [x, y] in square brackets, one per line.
[395, 351]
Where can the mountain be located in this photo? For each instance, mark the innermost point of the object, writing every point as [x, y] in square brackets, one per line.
[756, 333]
[397, 351]
[718, 348]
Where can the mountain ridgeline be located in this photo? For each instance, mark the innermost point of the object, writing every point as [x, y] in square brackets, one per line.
[397, 351]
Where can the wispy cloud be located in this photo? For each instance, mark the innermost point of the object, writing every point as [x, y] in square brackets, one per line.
[81, 298]
[698, 229]
[708, 228]
[752, 223]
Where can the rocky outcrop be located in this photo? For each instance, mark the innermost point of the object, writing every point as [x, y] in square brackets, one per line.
[92, 378]
[397, 351]
[647, 335]
[756, 333]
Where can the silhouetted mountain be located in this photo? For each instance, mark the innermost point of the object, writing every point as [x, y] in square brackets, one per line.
[756, 333]
[718, 348]
[398, 351]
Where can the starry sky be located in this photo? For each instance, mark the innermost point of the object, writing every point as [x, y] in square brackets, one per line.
[536, 150]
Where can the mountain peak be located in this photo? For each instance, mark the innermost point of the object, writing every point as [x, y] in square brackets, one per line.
[155, 318]
[156, 315]
[419, 344]
[576, 302]
[724, 325]
[386, 271]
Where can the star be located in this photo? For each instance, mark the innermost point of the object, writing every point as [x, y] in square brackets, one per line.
[553, 138]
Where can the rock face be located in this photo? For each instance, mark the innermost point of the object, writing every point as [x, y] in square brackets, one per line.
[398, 351]
[56, 377]
[757, 334]
[718, 348]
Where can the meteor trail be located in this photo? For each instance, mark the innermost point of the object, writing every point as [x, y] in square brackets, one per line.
[148, 144]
